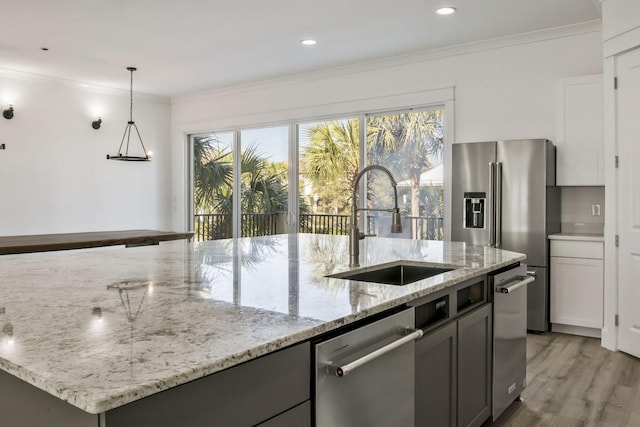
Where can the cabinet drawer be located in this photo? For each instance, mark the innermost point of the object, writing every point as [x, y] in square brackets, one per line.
[300, 416]
[576, 249]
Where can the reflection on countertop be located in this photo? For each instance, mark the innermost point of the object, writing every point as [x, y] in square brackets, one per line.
[102, 328]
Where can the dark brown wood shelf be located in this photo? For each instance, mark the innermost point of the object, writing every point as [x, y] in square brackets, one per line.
[64, 241]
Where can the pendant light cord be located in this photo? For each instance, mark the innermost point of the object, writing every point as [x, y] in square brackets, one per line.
[131, 98]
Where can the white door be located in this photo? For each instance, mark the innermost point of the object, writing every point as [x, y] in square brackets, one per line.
[628, 123]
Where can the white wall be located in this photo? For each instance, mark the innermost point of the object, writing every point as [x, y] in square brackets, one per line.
[54, 176]
[503, 90]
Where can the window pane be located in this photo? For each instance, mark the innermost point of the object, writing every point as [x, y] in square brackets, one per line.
[411, 146]
[329, 162]
[213, 186]
[265, 171]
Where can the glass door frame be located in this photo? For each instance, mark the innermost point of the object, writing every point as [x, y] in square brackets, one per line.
[292, 223]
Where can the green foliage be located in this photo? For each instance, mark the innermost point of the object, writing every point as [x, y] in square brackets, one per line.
[263, 183]
[408, 144]
[263, 188]
[212, 175]
[330, 162]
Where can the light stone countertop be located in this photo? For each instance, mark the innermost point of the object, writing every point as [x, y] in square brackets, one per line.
[104, 327]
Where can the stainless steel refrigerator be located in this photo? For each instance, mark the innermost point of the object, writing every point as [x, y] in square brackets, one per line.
[504, 195]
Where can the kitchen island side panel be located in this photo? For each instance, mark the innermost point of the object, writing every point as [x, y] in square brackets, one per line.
[24, 405]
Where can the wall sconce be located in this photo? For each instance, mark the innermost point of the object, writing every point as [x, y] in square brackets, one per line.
[8, 113]
[96, 123]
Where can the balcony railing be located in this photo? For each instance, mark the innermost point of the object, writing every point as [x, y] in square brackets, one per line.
[415, 227]
[324, 224]
[219, 226]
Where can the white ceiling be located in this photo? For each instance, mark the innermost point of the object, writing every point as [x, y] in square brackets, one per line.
[187, 46]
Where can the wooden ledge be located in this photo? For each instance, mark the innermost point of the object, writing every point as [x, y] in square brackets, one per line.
[64, 241]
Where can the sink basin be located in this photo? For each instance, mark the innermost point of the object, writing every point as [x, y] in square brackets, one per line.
[400, 273]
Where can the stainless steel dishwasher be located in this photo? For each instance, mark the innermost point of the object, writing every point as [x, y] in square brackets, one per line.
[366, 377]
[509, 336]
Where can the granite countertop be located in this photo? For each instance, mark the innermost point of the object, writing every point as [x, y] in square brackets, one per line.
[64, 241]
[584, 237]
[104, 327]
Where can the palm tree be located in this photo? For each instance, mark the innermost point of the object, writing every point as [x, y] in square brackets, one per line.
[330, 160]
[212, 174]
[406, 143]
[416, 136]
[263, 187]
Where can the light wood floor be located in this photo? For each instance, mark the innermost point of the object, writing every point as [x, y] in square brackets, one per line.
[572, 381]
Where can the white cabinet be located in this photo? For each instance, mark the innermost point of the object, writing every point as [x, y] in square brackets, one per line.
[576, 286]
[580, 134]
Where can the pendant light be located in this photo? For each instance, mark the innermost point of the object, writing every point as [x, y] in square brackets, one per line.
[127, 133]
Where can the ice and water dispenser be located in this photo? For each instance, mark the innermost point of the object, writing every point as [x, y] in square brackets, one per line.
[474, 210]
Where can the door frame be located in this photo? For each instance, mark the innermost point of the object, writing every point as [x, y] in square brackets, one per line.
[610, 331]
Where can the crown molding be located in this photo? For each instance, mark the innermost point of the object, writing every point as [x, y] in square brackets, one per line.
[81, 86]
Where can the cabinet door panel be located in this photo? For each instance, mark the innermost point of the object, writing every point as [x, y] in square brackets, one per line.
[577, 292]
[436, 378]
[474, 367]
[580, 136]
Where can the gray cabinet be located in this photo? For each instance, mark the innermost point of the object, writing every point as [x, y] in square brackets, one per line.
[300, 416]
[24, 405]
[454, 357]
[436, 384]
[244, 395]
[474, 366]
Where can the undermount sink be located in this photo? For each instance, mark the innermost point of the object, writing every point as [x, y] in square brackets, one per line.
[400, 273]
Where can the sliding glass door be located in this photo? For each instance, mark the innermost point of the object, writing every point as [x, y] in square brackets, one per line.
[263, 181]
[303, 180]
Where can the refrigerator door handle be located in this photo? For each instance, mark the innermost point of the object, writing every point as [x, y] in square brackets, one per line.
[491, 204]
[498, 204]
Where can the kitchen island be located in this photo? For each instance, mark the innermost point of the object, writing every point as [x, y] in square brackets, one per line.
[103, 328]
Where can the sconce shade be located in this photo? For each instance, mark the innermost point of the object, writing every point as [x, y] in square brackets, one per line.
[124, 156]
[8, 113]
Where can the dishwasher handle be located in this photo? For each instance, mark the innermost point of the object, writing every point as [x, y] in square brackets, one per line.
[518, 283]
[343, 370]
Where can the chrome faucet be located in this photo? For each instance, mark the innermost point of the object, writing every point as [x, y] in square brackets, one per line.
[354, 233]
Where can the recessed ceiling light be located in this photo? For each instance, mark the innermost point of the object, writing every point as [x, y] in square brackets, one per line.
[308, 42]
[448, 10]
